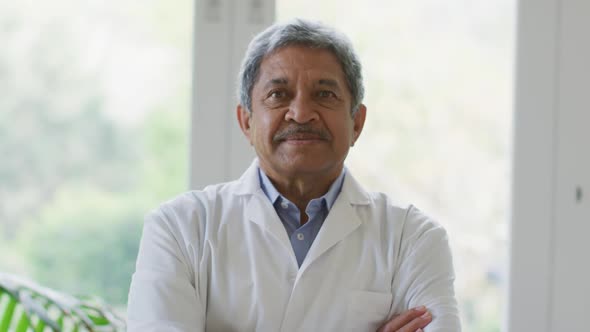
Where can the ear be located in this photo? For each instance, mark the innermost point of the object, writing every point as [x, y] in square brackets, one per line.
[358, 123]
[244, 121]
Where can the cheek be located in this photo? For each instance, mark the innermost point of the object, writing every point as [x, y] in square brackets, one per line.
[342, 128]
[271, 124]
[264, 128]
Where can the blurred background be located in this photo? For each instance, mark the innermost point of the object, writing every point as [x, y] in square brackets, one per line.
[95, 115]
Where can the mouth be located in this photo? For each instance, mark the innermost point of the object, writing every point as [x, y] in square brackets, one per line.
[301, 135]
[307, 141]
[302, 139]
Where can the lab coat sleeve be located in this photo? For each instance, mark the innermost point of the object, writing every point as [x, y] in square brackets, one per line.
[426, 275]
[163, 295]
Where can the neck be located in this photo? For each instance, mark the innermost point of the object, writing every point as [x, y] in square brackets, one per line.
[300, 189]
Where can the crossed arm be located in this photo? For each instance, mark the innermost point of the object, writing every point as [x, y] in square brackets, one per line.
[424, 280]
[425, 277]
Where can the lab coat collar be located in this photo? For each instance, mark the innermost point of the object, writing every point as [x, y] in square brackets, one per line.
[249, 184]
[342, 219]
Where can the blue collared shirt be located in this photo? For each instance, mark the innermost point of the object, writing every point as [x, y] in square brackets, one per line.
[317, 209]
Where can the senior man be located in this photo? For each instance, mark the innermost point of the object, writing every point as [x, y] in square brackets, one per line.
[295, 244]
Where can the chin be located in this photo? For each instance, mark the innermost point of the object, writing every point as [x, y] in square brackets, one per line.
[308, 166]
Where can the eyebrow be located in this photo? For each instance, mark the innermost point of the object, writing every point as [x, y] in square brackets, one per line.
[276, 81]
[283, 81]
[329, 82]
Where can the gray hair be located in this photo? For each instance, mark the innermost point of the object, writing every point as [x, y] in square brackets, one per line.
[306, 33]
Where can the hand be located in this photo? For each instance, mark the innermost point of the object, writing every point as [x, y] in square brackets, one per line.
[412, 320]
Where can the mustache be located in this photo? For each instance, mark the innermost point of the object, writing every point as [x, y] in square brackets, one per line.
[307, 129]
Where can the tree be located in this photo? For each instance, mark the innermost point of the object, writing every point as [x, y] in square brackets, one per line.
[52, 128]
[86, 242]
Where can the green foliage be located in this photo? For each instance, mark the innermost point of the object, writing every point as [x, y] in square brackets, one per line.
[52, 126]
[85, 239]
[165, 166]
[25, 305]
[77, 174]
[86, 242]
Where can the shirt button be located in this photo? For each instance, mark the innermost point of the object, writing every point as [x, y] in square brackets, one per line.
[300, 236]
[284, 204]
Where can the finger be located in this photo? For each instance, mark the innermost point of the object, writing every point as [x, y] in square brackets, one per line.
[383, 327]
[399, 321]
[417, 324]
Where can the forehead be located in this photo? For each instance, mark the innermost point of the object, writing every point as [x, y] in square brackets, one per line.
[294, 62]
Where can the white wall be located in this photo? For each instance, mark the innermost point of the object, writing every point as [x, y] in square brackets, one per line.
[223, 28]
[571, 228]
[550, 269]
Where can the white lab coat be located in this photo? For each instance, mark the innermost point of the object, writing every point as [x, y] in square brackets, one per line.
[220, 260]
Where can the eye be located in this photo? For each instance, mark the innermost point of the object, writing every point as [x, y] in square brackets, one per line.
[326, 94]
[277, 94]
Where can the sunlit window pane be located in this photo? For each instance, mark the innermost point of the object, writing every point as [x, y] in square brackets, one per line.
[439, 93]
[95, 98]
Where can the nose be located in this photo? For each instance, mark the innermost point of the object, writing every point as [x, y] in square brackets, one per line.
[301, 110]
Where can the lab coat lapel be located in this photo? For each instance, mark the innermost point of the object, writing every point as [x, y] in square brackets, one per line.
[261, 212]
[342, 220]
[258, 208]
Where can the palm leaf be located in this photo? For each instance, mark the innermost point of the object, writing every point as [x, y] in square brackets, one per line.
[26, 306]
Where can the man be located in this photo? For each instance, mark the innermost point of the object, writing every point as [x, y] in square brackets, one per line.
[295, 244]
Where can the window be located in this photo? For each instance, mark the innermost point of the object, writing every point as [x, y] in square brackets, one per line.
[93, 134]
[94, 130]
[439, 94]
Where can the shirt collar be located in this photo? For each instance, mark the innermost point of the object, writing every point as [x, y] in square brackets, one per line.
[329, 197]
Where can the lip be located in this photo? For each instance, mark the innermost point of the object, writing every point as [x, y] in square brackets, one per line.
[303, 139]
